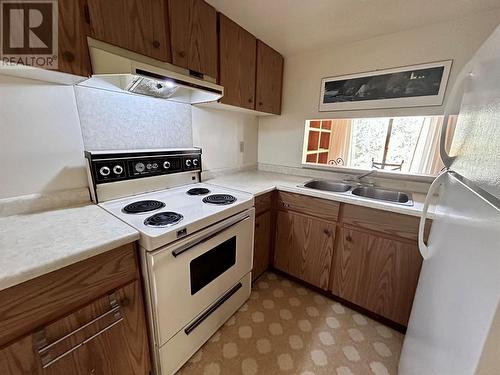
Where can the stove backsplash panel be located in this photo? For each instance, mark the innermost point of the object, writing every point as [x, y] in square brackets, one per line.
[111, 120]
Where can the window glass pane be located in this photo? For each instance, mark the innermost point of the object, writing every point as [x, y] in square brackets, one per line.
[367, 141]
[404, 137]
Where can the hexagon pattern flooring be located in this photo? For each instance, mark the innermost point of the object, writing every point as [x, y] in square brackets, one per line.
[285, 328]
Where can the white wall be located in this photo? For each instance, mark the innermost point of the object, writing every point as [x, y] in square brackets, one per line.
[219, 134]
[41, 148]
[281, 137]
[41, 143]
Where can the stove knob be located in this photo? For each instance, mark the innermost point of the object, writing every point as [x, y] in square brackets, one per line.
[117, 169]
[148, 166]
[195, 162]
[155, 165]
[104, 171]
[166, 165]
[140, 167]
[188, 163]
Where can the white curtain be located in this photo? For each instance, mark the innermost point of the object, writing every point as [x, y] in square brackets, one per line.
[427, 148]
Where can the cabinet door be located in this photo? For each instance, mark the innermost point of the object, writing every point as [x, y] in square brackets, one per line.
[237, 53]
[269, 79]
[304, 247]
[377, 273]
[193, 25]
[262, 244]
[107, 336]
[137, 25]
[73, 29]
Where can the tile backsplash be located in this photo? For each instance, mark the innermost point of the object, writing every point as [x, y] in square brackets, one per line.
[111, 120]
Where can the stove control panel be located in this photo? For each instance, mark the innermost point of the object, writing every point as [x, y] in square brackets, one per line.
[106, 166]
[152, 166]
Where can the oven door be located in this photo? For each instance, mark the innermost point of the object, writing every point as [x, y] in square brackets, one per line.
[190, 275]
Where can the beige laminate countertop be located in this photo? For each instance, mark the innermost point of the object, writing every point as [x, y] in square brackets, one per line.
[38, 243]
[258, 182]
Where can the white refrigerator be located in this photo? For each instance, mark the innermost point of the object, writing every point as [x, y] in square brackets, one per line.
[454, 327]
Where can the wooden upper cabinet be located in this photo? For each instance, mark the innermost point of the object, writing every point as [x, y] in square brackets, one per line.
[237, 61]
[193, 27]
[73, 51]
[137, 25]
[269, 79]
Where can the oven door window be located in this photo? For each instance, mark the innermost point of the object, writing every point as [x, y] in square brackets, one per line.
[210, 265]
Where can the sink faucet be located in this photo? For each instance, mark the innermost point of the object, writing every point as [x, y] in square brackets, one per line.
[358, 178]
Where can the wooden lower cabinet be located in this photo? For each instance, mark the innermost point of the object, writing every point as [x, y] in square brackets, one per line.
[376, 272]
[304, 247]
[107, 336]
[262, 244]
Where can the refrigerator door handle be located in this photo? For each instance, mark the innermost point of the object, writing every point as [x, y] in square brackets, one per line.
[422, 246]
[447, 159]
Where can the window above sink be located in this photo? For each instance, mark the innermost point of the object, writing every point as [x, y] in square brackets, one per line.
[409, 145]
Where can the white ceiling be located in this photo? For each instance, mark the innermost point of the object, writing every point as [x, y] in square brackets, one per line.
[294, 26]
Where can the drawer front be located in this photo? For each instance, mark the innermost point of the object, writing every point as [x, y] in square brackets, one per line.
[175, 352]
[46, 298]
[322, 208]
[389, 223]
[107, 336]
[263, 203]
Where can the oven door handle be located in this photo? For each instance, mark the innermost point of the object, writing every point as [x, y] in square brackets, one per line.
[206, 237]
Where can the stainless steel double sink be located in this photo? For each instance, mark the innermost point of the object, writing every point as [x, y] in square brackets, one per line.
[360, 190]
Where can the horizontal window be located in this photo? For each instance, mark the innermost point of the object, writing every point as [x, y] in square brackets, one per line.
[402, 144]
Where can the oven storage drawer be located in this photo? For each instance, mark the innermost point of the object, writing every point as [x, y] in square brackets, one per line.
[188, 276]
[188, 340]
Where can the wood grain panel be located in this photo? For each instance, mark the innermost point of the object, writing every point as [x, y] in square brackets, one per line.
[304, 248]
[35, 302]
[237, 62]
[390, 223]
[322, 208]
[73, 54]
[263, 202]
[122, 349]
[262, 244]
[313, 245]
[376, 273]
[269, 79]
[137, 25]
[193, 25]
[283, 248]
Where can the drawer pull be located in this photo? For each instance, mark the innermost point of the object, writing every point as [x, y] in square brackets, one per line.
[212, 309]
[44, 348]
[46, 362]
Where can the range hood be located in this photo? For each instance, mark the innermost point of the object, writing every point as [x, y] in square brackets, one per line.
[121, 70]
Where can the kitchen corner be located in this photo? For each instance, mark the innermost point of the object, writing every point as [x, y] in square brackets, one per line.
[249, 187]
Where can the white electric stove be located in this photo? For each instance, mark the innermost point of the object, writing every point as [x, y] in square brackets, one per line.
[196, 243]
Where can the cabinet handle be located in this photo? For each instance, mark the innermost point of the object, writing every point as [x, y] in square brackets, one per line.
[156, 44]
[181, 53]
[348, 238]
[260, 103]
[257, 225]
[45, 357]
[327, 232]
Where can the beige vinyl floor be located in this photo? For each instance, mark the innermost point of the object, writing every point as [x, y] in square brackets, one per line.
[285, 328]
